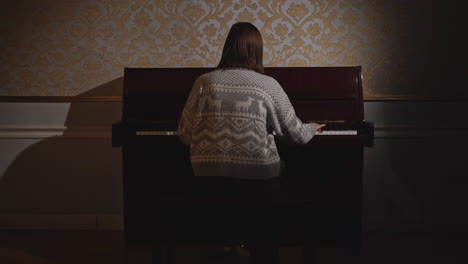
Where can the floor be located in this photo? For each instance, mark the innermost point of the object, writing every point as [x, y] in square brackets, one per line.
[70, 247]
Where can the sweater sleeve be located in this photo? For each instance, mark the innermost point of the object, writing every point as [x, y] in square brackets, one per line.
[186, 121]
[284, 120]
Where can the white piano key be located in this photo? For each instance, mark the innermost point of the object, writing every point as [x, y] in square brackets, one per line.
[337, 132]
[156, 133]
[173, 133]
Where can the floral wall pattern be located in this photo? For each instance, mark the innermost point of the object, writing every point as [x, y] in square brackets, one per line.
[67, 47]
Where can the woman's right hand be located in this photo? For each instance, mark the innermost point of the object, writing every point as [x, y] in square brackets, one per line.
[318, 127]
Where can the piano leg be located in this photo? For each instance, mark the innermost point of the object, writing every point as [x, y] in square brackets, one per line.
[311, 254]
[264, 253]
[137, 254]
[162, 254]
[157, 254]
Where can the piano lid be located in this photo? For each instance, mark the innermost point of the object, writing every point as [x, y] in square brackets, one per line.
[317, 93]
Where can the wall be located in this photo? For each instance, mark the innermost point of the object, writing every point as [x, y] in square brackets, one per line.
[57, 167]
[58, 47]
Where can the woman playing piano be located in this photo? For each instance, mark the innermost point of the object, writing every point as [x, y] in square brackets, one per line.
[230, 119]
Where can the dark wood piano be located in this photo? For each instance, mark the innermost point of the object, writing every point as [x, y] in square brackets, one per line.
[321, 184]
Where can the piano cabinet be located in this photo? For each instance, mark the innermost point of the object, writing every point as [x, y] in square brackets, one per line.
[320, 193]
[320, 198]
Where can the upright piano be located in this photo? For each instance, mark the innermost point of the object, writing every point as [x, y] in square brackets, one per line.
[321, 184]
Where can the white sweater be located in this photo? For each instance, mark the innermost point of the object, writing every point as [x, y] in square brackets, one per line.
[229, 120]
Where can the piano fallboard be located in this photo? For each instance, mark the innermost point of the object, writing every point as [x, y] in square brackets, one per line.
[317, 93]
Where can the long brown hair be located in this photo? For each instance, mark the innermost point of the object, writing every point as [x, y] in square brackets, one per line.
[243, 48]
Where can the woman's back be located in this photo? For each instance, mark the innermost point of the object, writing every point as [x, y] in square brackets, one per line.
[233, 113]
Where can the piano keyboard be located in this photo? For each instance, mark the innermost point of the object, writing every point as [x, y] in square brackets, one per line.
[337, 132]
[323, 133]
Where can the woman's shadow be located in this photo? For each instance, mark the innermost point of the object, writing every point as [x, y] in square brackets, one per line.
[74, 172]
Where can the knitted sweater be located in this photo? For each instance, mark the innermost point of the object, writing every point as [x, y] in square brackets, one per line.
[229, 120]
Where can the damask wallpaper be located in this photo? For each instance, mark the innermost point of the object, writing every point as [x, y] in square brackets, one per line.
[67, 47]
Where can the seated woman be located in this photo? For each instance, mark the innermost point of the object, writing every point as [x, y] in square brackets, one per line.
[231, 115]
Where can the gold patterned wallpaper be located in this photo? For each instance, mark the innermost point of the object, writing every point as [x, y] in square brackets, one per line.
[68, 47]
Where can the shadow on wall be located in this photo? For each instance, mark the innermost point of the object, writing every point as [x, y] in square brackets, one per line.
[413, 182]
[77, 172]
[112, 88]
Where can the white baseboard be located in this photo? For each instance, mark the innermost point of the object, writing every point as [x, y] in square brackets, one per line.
[52, 131]
[30, 131]
[91, 222]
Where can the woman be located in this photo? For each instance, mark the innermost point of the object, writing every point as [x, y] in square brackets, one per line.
[233, 112]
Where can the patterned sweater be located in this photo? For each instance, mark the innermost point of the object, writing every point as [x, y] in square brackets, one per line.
[229, 120]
